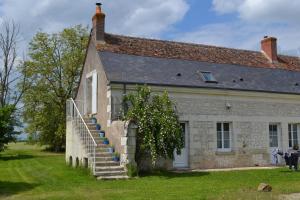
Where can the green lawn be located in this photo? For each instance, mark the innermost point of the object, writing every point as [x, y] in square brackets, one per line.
[26, 172]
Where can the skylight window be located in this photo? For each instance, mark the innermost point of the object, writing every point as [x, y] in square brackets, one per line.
[208, 77]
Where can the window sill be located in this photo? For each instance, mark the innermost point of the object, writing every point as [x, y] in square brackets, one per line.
[223, 152]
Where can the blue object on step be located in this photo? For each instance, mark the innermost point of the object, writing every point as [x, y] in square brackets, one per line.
[116, 159]
[105, 142]
[98, 127]
[110, 150]
[102, 134]
[94, 120]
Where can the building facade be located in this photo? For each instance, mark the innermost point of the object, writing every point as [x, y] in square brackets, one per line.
[236, 106]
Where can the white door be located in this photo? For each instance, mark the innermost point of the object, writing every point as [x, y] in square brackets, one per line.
[181, 160]
[274, 143]
[94, 92]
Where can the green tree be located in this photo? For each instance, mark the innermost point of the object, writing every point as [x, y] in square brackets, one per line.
[159, 131]
[10, 77]
[7, 124]
[53, 70]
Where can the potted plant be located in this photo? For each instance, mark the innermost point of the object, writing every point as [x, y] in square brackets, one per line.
[98, 127]
[111, 149]
[105, 141]
[102, 134]
[116, 157]
[94, 120]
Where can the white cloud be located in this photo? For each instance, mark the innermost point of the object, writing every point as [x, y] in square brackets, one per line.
[145, 18]
[245, 36]
[263, 11]
[148, 17]
[133, 17]
[226, 6]
[256, 18]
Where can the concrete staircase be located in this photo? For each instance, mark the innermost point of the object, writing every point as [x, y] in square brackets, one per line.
[106, 168]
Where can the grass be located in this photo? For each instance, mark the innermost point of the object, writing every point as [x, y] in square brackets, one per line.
[28, 173]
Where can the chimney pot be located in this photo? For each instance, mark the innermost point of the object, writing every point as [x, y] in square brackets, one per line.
[269, 48]
[99, 24]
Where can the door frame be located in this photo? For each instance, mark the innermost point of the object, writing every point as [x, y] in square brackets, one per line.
[279, 140]
[187, 147]
[94, 83]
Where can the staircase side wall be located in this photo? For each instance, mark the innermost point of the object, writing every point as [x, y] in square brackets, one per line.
[74, 147]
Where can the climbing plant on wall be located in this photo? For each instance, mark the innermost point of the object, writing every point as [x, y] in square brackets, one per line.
[159, 131]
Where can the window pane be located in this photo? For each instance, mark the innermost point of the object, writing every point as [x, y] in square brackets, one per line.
[226, 126]
[290, 143]
[207, 76]
[290, 136]
[294, 127]
[226, 144]
[275, 128]
[273, 135]
[273, 141]
[219, 139]
[270, 128]
[219, 127]
[226, 135]
[295, 137]
[219, 144]
[219, 135]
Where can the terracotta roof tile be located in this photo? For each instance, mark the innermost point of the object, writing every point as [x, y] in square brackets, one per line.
[195, 52]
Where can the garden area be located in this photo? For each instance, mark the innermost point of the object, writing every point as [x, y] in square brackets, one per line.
[29, 172]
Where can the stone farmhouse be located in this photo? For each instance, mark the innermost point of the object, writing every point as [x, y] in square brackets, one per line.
[236, 106]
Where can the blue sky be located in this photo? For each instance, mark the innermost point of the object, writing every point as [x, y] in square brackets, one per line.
[201, 13]
[229, 23]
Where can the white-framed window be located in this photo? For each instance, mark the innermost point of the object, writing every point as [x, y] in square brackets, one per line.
[273, 135]
[224, 136]
[208, 77]
[293, 134]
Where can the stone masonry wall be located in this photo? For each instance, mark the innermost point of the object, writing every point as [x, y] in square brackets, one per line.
[250, 114]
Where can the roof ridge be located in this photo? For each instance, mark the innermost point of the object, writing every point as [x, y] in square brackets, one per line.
[193, 44]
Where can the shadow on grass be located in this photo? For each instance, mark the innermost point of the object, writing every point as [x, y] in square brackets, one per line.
[290, 171]
[170, 175]
[11, 188]
[16, 157]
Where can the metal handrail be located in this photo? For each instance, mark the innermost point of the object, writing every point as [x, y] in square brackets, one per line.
[83, 121]
[79, 126]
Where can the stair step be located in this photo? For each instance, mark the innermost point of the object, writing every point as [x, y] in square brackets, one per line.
[112, 177]
[90, 124]
[104, 154]
[102, 150]
[101, 146]
[106, 163]
[100, 159]
[96, 138]
[101, 155]
[110, 173]
[109, 168]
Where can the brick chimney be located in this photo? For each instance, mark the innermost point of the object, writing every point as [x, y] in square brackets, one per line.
[99, 24]
[269, 48]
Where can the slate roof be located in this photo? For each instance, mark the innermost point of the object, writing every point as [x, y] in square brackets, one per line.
[123, 68]
[140, 61]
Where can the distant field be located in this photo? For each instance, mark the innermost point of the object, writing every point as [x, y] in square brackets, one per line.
[28, 173]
